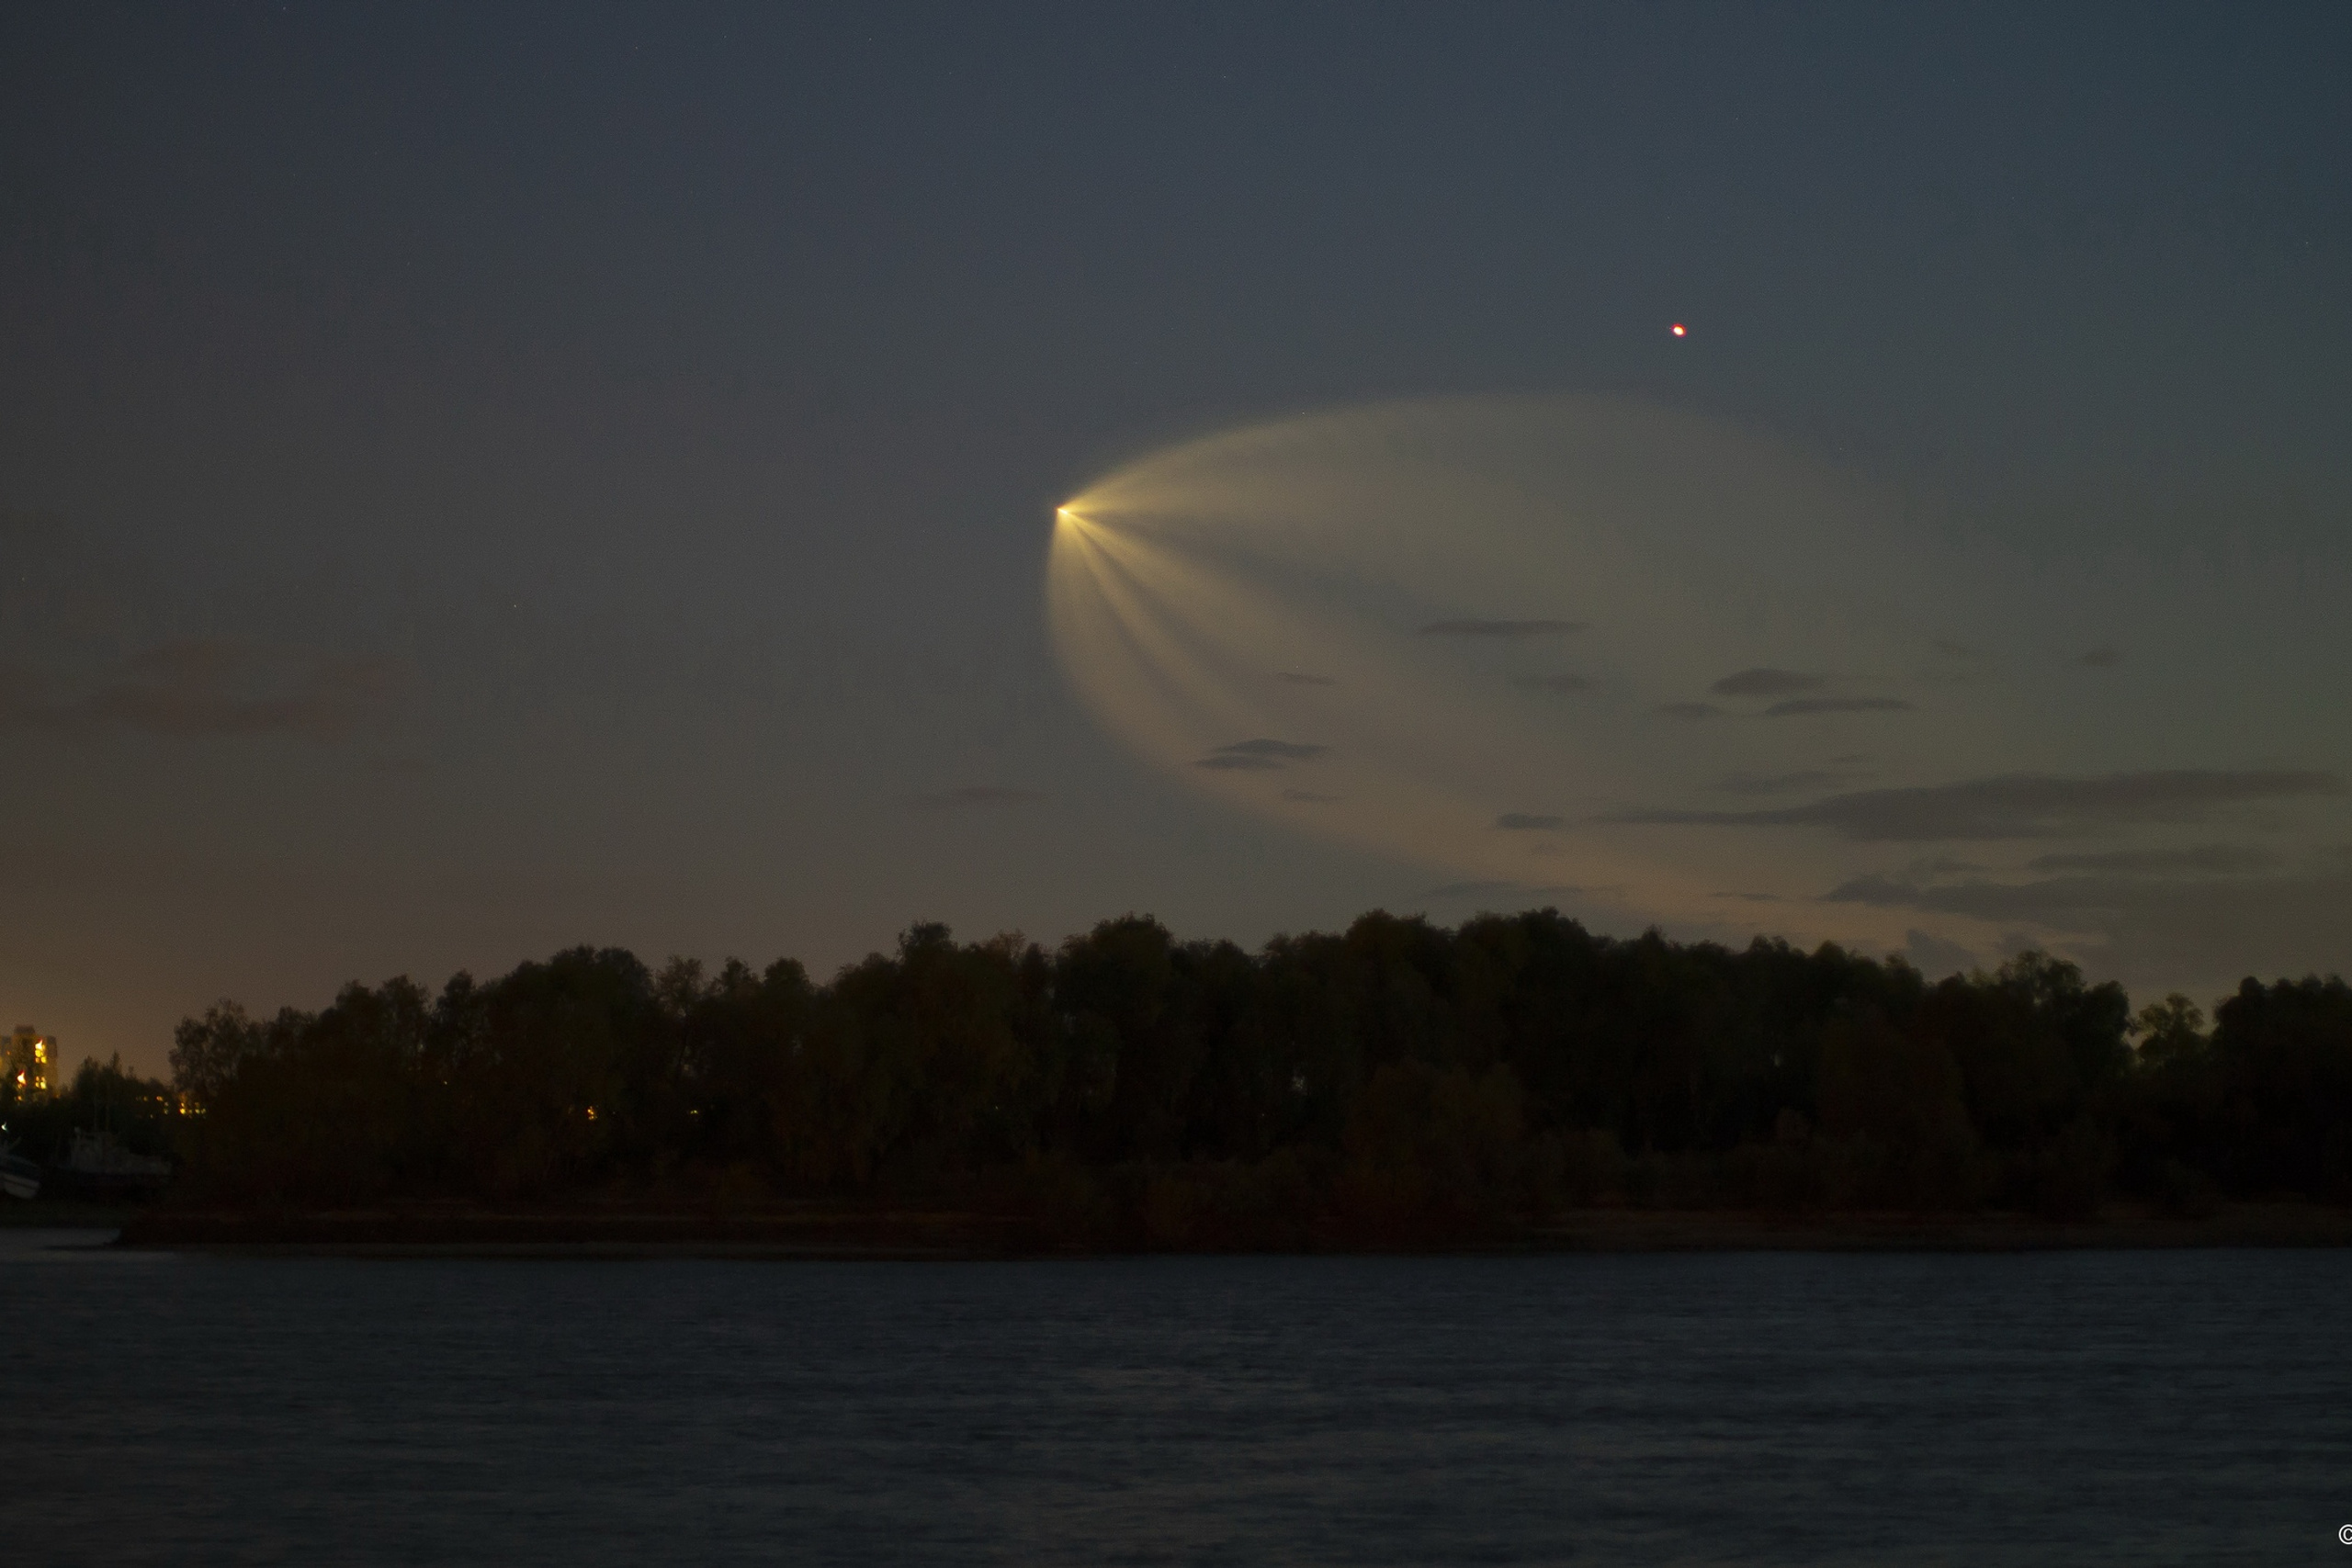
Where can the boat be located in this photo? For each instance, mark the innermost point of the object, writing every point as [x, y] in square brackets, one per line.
[97, 1166]
[19, 1178]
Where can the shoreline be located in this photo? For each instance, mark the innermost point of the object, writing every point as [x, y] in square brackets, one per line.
[823, 1232]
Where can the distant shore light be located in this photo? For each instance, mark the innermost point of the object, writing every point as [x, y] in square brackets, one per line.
[1678, 330]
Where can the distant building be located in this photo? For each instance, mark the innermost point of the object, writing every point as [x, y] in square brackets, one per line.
[31, 1061]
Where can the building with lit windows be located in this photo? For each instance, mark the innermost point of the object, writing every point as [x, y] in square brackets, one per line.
[31, 1061]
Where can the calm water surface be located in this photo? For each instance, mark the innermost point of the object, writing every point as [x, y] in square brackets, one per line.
[2086, 1407]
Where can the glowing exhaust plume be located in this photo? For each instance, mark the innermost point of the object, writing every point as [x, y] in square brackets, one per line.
[1579, 650]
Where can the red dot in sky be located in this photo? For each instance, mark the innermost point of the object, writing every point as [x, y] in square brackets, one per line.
[1678, 330]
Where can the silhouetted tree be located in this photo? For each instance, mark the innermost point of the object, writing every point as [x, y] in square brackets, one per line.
[1396, 1075]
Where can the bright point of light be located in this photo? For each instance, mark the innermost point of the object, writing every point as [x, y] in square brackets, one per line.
[1678, 330]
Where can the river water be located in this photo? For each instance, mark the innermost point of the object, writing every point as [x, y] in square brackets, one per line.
[2191, 1406]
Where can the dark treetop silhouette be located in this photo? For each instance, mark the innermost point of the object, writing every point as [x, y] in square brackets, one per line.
[1402, 1081]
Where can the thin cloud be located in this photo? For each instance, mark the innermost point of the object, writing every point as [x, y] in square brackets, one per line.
[1553, 682]
[1455, 892]
[2210, 860]
[1501, 628]
[1689, 710]
[2017, 806]
[1289, 750]
[1885, 892]
[2065, 902]
[2081, 906]
[1941, 865]
[1783, 784]
[1260, 756]
[2075, 902]
[975, 796]
[1799, 706]
[1767, 683]
[1300, 678]
[2106, 656]
[217, 688]
[1525, 822]
[1310, 797]
[1955, 663]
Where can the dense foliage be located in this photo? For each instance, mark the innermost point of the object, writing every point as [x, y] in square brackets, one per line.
[138, 1113]
[1399, 1076]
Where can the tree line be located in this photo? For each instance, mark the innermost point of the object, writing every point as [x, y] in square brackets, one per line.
[1396, 1079]
[140, 1113]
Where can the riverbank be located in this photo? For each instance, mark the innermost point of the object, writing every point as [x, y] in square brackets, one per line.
[819, 1231]
[2229, 1224]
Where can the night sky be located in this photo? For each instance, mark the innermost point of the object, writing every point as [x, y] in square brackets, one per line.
[475, 480]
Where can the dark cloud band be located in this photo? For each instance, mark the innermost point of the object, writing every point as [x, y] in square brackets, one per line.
[2017, 806]
[1259, 755]
[1767, 683]
[1501, 628]
[1797, 706]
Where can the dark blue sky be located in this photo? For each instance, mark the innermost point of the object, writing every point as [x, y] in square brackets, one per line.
[478, 478]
